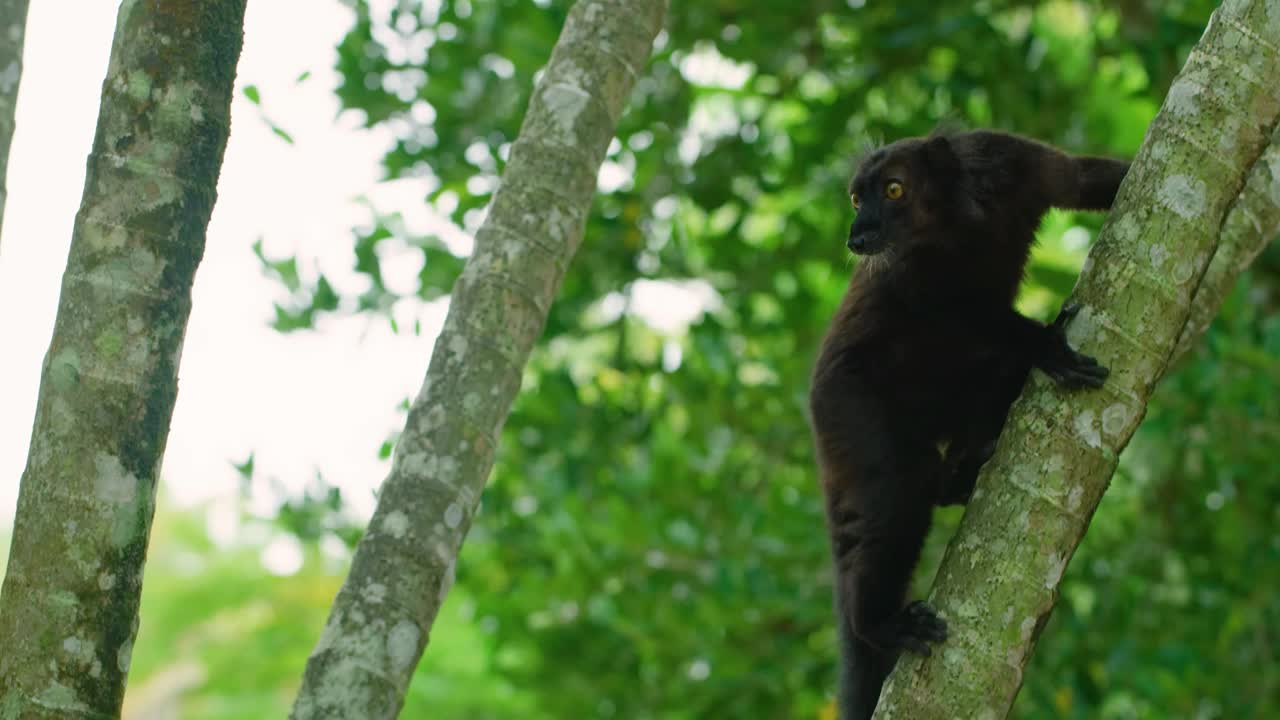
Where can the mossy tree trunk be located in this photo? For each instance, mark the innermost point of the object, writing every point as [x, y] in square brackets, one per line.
[1250, 226]
[1204, 172]
[69, 605]
[13, 28]
[402, 569]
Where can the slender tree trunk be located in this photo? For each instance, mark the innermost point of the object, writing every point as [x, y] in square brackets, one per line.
[999, 578]
[13, 27]
[1251, 225]
[69, 605]
[403, 567]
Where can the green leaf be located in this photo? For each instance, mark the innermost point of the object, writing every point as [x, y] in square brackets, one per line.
[245, 469]
[287, 272]
[282, 133]
[325, 298]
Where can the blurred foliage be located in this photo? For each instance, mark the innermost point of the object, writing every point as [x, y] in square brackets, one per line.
[651, 544]
[226, 639]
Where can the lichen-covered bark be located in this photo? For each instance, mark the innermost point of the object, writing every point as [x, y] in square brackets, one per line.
[13, 27]
[403, 567]
[1252, 223]
[69, 605]
[999, 578]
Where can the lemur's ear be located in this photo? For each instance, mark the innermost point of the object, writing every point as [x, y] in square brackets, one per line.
[950, 176]
[940, 155]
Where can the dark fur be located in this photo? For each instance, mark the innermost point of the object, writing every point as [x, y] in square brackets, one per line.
[927, 351]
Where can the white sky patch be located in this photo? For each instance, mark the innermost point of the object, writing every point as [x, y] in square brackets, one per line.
[283, 555]
[670, 307]
[222, 523]
[712, 118]
[321, 401]
[400, 265]
[614, 176]
[1076, 238]
[705, 66]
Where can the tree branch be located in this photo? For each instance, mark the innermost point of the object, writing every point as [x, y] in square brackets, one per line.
[13, 28]
[999, 578]
[1251, 224]
[69, 607]
[403, 567]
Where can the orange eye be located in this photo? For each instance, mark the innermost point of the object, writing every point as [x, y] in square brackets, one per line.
[893, 190]
[855, 201]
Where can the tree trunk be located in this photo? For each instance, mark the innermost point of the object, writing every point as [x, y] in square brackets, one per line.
[999, 578]
[13, 27]
[69, 605]
[403, 567]
[1250, 226]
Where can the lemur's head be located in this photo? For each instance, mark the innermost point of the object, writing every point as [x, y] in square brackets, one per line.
[906, 192]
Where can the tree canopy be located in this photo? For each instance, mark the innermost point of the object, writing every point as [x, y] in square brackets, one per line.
[651, 543]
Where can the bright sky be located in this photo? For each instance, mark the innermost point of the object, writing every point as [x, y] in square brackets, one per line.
[303, 402]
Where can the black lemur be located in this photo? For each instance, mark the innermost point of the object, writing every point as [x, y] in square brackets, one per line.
[923, 359]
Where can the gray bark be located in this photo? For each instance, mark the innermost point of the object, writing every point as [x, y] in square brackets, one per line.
[13, 28]
[1251, 225]
[999, 578]
[403, 567]
[69, 604]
